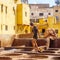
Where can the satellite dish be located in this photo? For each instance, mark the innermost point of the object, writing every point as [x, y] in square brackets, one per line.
[57, 2]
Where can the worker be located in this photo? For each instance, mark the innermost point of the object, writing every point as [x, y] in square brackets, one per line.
[50, 36]
[35, 34]
[53, 37]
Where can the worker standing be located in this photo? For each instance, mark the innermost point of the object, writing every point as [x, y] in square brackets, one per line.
[35, 34]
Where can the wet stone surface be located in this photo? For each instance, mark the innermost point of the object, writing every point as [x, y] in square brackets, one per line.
[55, 58]
[5, 58]
[48, 51]
[56, 49]
[38, 56]
[49, 54]
[13, 54]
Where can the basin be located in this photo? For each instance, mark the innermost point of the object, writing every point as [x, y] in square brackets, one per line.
[54, 49]
[48, 51]
[13, 54]
[38, 56]
[55, 58]
[5, 58]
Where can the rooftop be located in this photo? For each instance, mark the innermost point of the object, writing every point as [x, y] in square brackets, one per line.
[40, 5]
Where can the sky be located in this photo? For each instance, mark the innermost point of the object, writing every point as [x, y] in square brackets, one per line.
[51, 2]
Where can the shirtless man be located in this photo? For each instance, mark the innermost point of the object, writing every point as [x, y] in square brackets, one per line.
[50, 35]
[35, 34]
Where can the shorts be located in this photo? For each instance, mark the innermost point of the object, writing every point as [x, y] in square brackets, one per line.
[35, 37]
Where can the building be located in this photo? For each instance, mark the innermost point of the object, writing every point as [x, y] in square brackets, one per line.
[56, 12]
[43, 11]
[40, 11]
[51, 22]
[7, 21]
[7, 17]
[14, 15]
[8, 11]
[21, 1]
[46, 17]
[22, 19]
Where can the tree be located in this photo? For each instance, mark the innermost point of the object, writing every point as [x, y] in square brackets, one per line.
[57, 2]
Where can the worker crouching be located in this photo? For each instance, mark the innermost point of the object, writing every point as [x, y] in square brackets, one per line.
[50, 36]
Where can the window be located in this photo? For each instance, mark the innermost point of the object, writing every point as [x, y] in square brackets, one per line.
[45, 20]
[56, 10]
[1, 27]
[2, 8]
[26, 31]
[14, 10]
[15, 1]
[57, 19]
[41, 14]
[24, 1]
[6, 10]
[6, 27]
[26, 14]
[49, 13]
[43, 30]
[56, 31]
[37, 20]
[14, 27]
[32, 20]
[32, 13]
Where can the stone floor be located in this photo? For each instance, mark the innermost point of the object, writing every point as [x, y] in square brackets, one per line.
[17, 54]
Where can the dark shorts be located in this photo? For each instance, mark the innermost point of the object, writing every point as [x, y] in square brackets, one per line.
[35, 37]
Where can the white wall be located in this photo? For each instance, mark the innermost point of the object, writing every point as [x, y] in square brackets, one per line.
[36, 12]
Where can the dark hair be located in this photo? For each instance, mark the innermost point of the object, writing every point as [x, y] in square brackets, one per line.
[31, 24]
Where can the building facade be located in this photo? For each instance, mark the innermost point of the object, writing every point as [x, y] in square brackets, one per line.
[43, 11]
[40, 11]
[46, 17]
[21, 1]
[7, 21]
[22, 18]
[7, 17]
[13, 13]
[8, 11]
[56, 12]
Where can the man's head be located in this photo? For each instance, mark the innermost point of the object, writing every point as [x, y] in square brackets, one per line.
[31, 24]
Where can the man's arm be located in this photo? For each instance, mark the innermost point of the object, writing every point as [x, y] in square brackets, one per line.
[46, 34]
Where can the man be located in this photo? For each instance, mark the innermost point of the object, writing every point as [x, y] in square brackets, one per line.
[35, 36]
[53, 37]
[50, 35]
